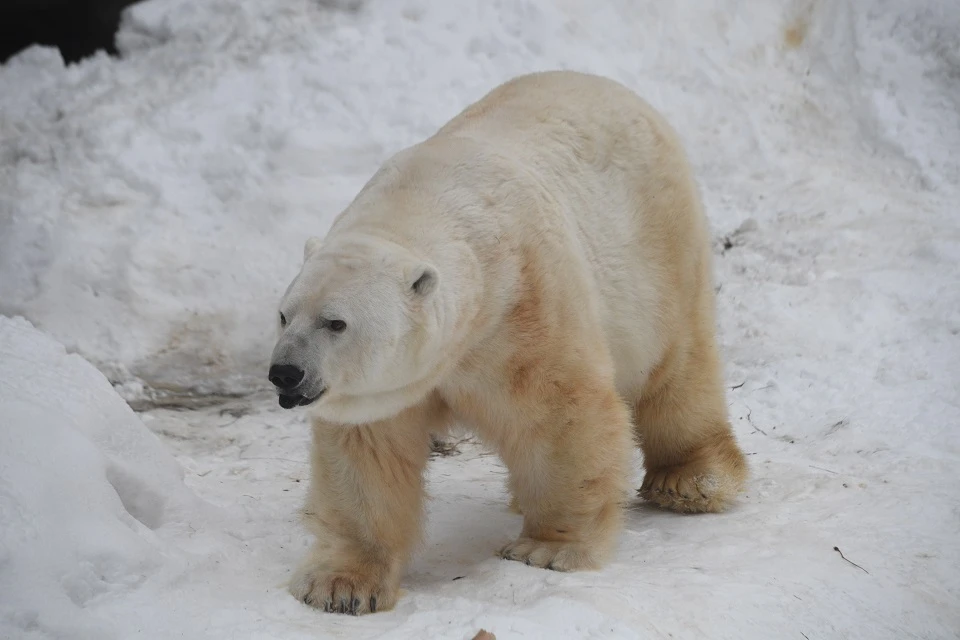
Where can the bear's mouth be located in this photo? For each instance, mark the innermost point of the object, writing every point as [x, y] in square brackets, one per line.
[297, 400]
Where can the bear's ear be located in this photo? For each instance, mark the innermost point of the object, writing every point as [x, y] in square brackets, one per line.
[310, 247]
[422, 279]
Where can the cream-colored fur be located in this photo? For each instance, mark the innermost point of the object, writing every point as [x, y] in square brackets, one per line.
[569, 314]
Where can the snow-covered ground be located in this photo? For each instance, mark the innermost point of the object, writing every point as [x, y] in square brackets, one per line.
[153, 208]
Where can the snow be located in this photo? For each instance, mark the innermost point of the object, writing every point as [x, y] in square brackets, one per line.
[84, 486]
[154, 207]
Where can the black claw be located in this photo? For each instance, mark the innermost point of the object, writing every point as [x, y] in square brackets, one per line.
[328, 605]
[355, 606]
[373, 604]
[344, 606]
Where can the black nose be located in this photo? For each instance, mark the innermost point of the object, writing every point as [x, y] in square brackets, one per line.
[285, 376]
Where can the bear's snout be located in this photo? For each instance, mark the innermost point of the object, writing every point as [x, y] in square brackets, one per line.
[285, 376]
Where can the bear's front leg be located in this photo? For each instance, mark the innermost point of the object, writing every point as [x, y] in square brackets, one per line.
[569, 474]
[365, 505]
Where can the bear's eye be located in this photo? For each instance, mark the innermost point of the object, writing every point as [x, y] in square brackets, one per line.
[283, 320]
[337, 325]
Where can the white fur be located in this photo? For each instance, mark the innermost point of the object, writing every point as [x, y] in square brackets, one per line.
[463, 201]
[563, 307]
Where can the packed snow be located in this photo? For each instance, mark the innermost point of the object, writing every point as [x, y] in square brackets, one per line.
[153, 207]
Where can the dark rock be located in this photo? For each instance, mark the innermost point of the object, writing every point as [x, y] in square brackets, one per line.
[79, 28]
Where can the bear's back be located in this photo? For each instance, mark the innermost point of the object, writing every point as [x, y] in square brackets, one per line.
[617, 172]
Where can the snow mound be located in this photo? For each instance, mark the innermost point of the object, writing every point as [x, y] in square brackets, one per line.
[83, 484]
[164, 198]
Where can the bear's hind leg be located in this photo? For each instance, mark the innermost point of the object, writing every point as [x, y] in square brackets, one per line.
[692, 460]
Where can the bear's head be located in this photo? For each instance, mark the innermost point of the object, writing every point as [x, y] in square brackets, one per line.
[358, 330]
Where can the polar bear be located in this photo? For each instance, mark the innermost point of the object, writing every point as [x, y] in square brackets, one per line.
[539, 270]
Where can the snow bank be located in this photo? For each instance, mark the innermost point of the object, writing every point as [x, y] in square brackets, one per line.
[154, 207]
[83, 486]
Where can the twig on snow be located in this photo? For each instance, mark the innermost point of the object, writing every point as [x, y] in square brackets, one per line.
[750, 420]
[837, 549]
[737, 386]
[813, 466]
[805, 635]
[275, 459]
